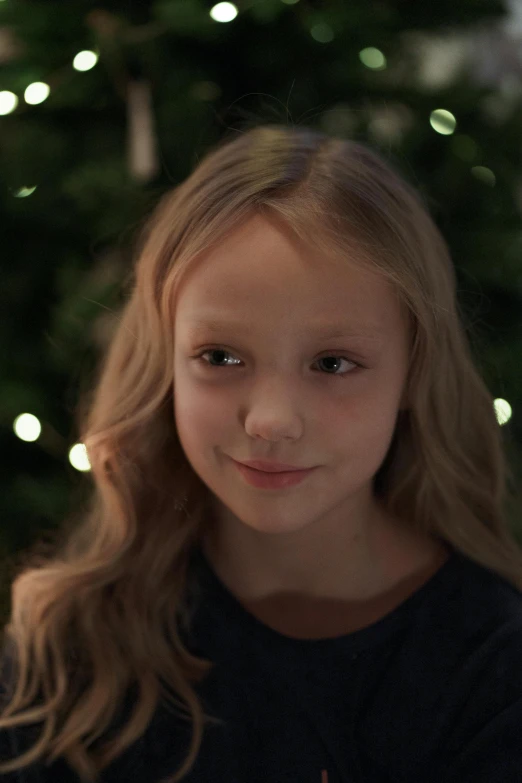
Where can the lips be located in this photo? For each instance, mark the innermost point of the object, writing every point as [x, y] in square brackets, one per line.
[270, 467]
[270, 480]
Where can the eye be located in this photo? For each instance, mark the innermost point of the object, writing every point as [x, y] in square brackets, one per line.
[326, 358]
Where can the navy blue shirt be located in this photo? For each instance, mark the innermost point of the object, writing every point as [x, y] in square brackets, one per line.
[430, 693]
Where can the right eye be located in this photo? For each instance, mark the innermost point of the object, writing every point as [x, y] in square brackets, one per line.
[211, 351]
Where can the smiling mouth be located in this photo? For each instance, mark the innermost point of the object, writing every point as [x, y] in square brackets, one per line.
[265, 480]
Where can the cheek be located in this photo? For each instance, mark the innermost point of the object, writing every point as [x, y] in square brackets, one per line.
[362, 429]
[199, 414]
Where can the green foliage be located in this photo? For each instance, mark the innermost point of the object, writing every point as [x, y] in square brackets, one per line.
[67, 247]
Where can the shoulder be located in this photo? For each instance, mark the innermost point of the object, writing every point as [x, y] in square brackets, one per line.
[481, 706]
[13, 742]
[483, 697]
[16, 740]
[469, 630]
[454, 683]
[480, 614]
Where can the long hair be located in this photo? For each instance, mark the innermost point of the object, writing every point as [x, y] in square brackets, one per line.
[104, 613]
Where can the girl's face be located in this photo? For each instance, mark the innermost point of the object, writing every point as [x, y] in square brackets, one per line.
[301, 361]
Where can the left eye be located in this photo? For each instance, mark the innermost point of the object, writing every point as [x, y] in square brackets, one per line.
[321, 359]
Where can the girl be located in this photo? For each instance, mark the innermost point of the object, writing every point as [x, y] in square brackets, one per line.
[296, 565]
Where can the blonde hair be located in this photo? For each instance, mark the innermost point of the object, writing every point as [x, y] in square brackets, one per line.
[104, 612]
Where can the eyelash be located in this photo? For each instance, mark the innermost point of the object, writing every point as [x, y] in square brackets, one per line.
[199, 357]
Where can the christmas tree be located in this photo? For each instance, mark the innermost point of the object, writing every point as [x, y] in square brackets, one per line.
[102, 109]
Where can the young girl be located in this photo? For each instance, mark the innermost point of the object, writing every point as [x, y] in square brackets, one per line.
[296, 565]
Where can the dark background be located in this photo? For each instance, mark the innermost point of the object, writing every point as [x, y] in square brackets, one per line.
[75, 189]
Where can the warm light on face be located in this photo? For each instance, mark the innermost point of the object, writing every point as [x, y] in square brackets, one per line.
[358, 344]
[216, 324]
[310, 372]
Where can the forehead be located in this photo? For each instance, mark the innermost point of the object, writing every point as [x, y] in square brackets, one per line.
[215, 322]
[261, 270]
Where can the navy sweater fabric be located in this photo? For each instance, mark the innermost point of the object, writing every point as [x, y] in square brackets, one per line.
[431, 693]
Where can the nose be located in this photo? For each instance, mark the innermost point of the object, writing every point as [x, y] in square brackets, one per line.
[274, 416]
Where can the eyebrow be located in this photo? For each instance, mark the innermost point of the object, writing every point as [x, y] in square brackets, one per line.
[323, 331]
